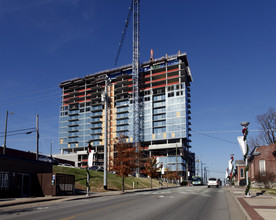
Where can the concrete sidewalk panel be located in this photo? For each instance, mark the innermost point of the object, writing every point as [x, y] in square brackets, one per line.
[267, 214]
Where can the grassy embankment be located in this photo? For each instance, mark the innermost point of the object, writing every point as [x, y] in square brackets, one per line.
[114, 181]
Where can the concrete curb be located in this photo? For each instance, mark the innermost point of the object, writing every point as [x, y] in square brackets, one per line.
[240, 205]
[26, 201]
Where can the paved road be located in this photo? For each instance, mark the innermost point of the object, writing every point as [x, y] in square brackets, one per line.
[176, 203]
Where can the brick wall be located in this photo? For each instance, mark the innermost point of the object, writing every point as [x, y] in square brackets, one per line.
[266, 154]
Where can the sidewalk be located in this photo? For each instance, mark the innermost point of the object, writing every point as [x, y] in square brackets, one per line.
[259, 206]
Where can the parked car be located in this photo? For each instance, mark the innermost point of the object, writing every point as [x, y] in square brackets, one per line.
[96, 168]
[66, 165]
[48, 160]
[212, 182]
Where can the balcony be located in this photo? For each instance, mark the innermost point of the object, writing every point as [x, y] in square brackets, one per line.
[73, 119]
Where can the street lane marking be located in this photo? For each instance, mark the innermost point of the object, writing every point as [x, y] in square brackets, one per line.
[41, 208]
[97, 210]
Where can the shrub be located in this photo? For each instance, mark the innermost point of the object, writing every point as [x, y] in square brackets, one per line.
[184, 183]
[267, 179]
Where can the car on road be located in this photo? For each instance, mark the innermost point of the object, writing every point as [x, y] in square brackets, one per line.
[212, 182]
[197, 181]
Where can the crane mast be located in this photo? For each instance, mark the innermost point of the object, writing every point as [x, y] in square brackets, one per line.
[135, 73]
[135, 9]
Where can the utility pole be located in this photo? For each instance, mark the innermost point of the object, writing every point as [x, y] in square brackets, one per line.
[205, 175]
[197, 165]
[51, 148]
[201, 169]
[37, 137]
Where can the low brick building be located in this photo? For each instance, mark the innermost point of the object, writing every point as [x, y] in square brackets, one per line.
[240, 178]
[19, 175]
[264, 163]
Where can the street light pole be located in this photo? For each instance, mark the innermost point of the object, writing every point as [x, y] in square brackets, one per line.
[187, 164]
[106, 132]
[5, 135]
[37, 137]
[244, 148]
[176, 168]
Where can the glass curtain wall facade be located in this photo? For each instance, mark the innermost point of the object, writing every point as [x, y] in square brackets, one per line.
[164, 110]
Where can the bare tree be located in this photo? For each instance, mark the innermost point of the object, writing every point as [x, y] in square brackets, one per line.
[254, 141]
[267, 122]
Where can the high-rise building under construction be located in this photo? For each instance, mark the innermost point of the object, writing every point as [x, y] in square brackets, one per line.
[164, 112]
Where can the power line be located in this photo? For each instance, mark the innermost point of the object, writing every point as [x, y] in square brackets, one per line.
[27, 132]
[19, 130]
[231, 142]
[28, 93]
[216, 132]
[27, 100]
[205, 133]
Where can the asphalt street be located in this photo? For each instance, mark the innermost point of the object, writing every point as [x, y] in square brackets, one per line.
[174, 203]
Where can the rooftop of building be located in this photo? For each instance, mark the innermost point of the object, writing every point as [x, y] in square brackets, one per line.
[102, 74]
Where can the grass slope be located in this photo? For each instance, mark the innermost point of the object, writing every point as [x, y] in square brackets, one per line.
[114, 181]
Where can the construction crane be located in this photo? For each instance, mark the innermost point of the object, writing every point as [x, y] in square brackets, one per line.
[135, 9]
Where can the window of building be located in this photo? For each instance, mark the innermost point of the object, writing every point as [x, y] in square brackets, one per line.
[159, 91]
[242, 173]
[262, 167]
[171, 94]
[147, 92]
[170, 88]
[147, 99]
[4, 180]
[159, 130]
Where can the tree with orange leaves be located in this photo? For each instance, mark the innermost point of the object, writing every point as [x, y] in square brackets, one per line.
[125, 160]
[151, 168]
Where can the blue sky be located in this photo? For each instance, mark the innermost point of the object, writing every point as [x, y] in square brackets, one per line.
[230, 47]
